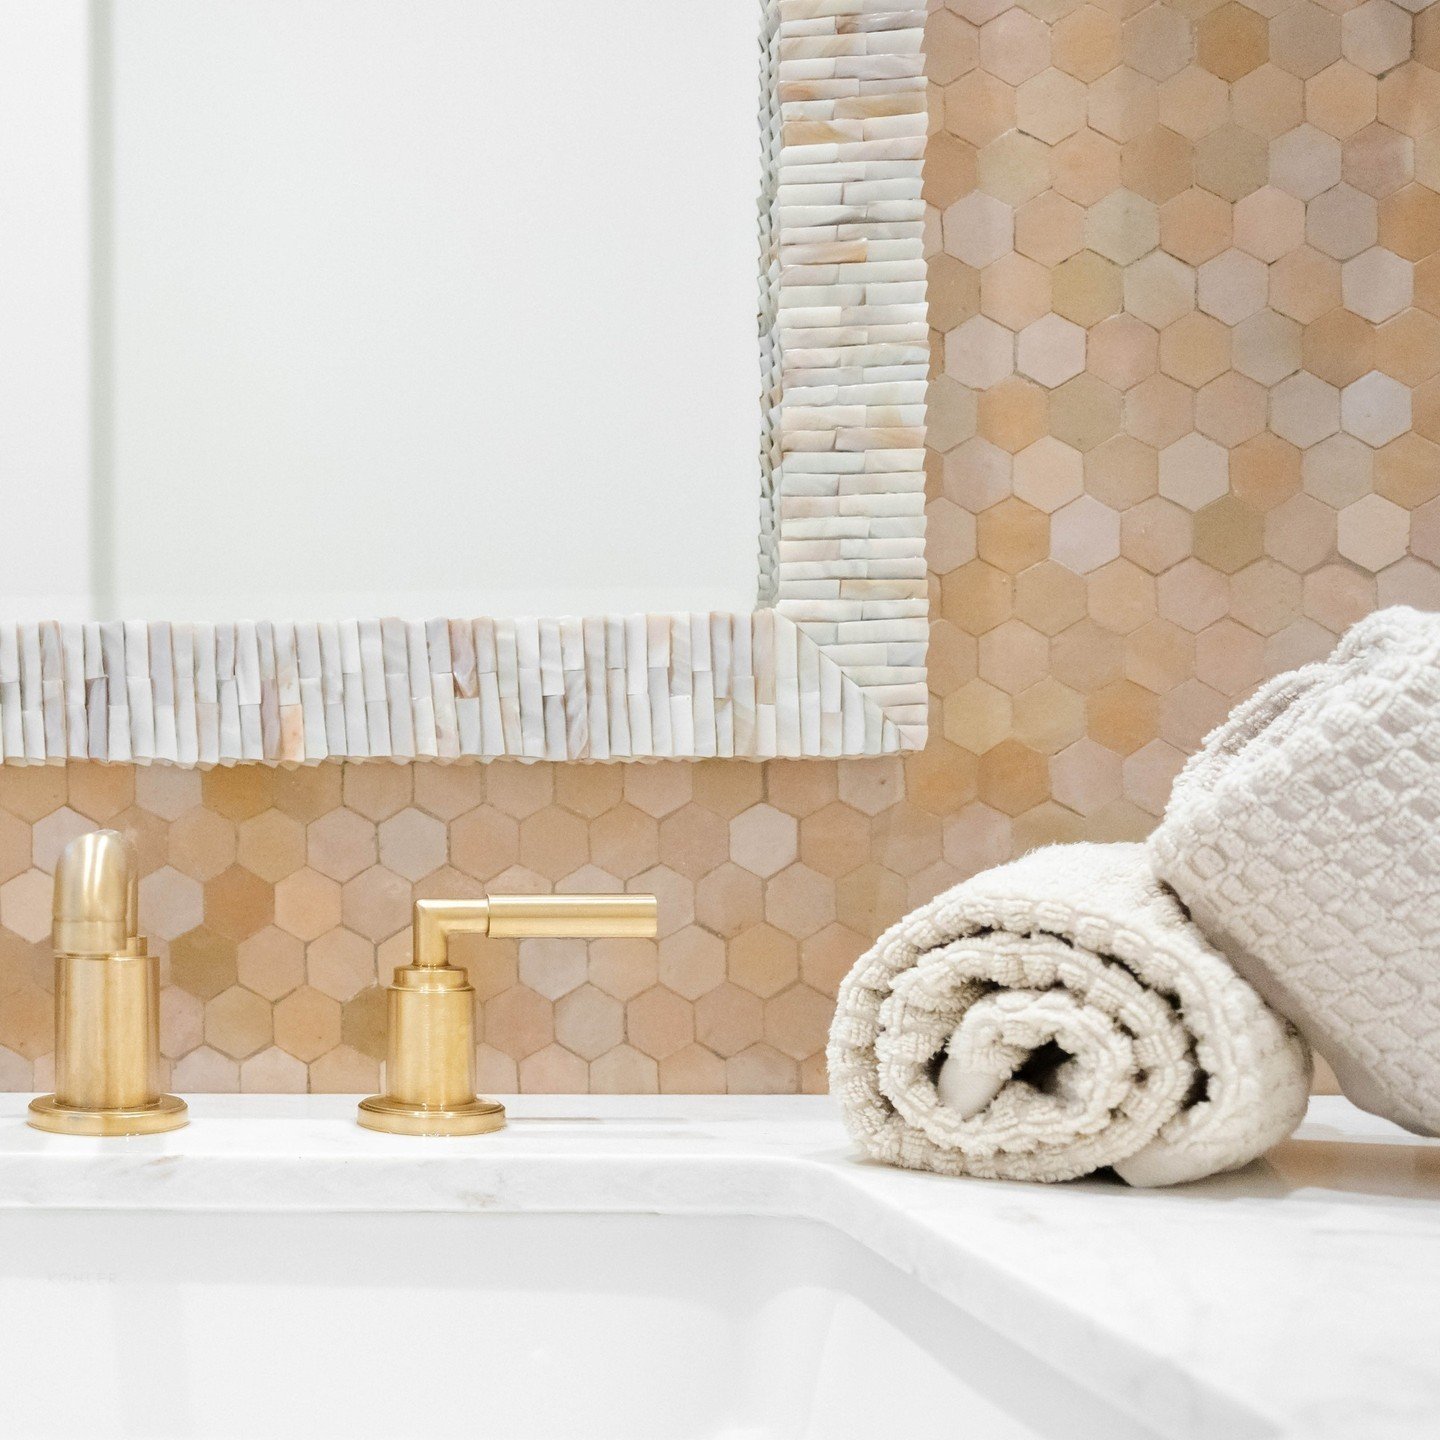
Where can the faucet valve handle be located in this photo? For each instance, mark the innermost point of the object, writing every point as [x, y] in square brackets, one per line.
[430, 1064]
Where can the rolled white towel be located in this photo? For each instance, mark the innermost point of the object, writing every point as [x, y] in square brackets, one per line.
[1054, 1016]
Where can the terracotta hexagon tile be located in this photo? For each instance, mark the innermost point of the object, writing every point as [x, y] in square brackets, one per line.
[1085, 534]
[270, 845]
[1014, 46]
[1231, 409]
[170, 904]
[1086, 43]
[1304, 284]
[237, 792]
[1192, 594]
[1015, 168]
[413, 844]
[100, 792]
[375, 904]
[1087, 288]
[1012, 414]
[1304, 39]
[1051, 106]
[163, 791]
[307, 1024]
[1375, 408]
[728, 1019]
[764, 960]
[1231, 162]
[206, 1070]
[1047, 475]
[1122, 351]
[978, 108]
[377, 791]
[1085, 412]
[1376, 36]
[1407, 470]
[273, 1072]
[1123, 104]
[828, 956]
[341, 844]
[270, 962]
[1373, 532]
[1231, 41]
[1051, 350]
[1047, 717]
[51, 835]
[1155, 534]
[1012, 777]
[1229, 658]
[1158, 164]
[1193, 471]
[238, 1023]
[1304, 409]
[1339, 347]
[448, 791]
[340, 963]
[1086, 776]
[1228, 535]
[1049, 229]
[1267, 347]
[1337, 596]
[1158, 42]
[980, 352]
[1342, 222]
[1086, 166]
[1194, 103]
[1408, 347]
[1268, 101]
[692, 1070]
[1122, 596]
[1378, 160]
[1195, 349]
[1341, 100]
[1195, 225]
[796, 1023]
[1377, 284]
[1265, 596]
[203, 963]
[1305, 162]
[728, 900]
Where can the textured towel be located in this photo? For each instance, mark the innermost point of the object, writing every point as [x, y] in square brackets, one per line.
[1087, 1024]
[1305, 838]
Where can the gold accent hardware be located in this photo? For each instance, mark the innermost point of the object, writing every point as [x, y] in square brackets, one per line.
[430, 1069]
[107, 1000]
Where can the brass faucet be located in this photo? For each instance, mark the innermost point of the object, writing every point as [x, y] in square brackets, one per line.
[107, 1000]
[430, 1066]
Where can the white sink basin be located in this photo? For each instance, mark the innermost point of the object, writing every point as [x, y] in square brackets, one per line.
[693, 1268]
[511, 1327]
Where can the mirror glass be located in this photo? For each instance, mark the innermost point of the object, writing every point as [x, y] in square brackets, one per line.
[326, 308]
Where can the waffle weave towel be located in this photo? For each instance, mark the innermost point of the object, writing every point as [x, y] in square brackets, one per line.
[1056, 1015]
[1305, 838]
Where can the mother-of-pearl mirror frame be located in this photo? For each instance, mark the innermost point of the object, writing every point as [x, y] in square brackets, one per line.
[832, 660]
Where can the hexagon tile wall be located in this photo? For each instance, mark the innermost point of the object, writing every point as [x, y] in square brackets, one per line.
[1185, 428]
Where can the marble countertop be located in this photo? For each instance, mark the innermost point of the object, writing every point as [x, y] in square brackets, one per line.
[1297, 1298]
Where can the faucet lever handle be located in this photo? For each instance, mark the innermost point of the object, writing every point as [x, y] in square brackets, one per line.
[588, 917]
[521, 917]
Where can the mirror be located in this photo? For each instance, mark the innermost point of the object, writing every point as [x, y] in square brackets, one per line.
[441, 379]
[442, 307]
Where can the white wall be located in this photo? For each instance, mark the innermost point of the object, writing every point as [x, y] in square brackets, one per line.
[419, 307]
[45, 560]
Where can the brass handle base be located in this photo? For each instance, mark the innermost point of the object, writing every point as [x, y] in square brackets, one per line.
[167, 1113]
[394, 1117]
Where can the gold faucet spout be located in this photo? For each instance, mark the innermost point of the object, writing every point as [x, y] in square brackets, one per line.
[430, 1056]
[107, 1000]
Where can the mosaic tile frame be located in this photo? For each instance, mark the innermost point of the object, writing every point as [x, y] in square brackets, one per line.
[831, 663]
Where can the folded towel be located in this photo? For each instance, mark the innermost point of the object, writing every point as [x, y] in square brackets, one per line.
[1056, 1015]
[1305, 838]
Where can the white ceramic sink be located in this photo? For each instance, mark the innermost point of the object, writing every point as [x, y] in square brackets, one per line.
[698, 1268]
[512, 1327]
